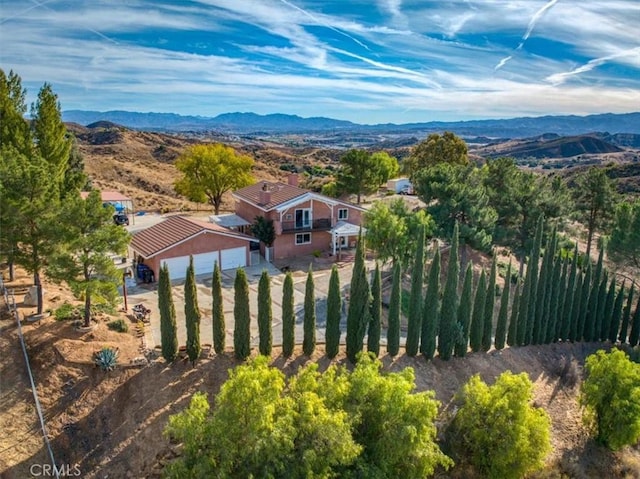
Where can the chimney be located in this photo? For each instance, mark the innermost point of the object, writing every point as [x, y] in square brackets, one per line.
[292, 179]
[265, 195]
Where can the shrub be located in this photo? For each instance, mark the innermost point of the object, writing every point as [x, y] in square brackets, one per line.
[106, 359]
[118, 325]
[66, 312]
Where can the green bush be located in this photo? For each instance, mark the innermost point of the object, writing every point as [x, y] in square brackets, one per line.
[611, 396]
[106, 359]
[119, 325]
[66, 312]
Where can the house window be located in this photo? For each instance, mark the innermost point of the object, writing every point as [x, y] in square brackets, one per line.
[343, 214]
[288, 217]
[303, 238]
[303, 218]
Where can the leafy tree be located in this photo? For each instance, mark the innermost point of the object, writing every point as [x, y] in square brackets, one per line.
[242, 316]
[431, 309]
[435, 149]
[192, 313]
[623, 246]
[595, 198]
[288, 316]
[375, 321]
[414, 327]
[626, 317]
[488, 308]
[497, 430]
[464, 313]
[309, 340]
[387, 166]
[448, 329]
[168, 328]
[334, 309]
[217, 311]
[611, 396]
[359, 173]
[501, 326]
[360, 298]
[393, 331]
[265, 315]
[209, 171]
[84, 261]
[477, 319]
[264, 230]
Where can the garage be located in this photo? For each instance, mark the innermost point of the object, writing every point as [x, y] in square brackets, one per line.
[233, 258]
[203, 263]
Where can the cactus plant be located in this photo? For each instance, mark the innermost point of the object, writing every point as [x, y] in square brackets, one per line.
[106, 359]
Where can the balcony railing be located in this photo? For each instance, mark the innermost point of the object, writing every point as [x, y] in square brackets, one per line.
[320, 224]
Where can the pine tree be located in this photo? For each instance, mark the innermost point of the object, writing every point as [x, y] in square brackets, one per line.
[477, 318]
[241, 316]
[373, 335]
[607, 313]
[489, 304]
[464, 313]
[626, 317]
[587, 287]
[431, 309]
[217, 311]
[414, 324]
[448, 328]
[309, 322]
[265, 316]
[359, 304]
[635, 326]
[591, 319]
[192, 313]
[393, 331]
[168, 329]
[533, 272]
[567, 307]
[616, 316]
[288, 316]
[334, 308]
[512, 332]
[503, 314]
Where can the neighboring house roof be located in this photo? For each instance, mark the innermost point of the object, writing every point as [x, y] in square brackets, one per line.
[107, 196]
[175, 230]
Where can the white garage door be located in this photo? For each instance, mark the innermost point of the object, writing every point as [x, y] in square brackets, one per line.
[233, 257]
[202, 264]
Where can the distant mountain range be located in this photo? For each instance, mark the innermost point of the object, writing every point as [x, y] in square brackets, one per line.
[254, 124]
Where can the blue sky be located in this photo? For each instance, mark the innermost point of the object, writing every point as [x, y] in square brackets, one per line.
[365, 60]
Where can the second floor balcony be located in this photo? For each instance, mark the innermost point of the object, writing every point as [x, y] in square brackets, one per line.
[318, 224]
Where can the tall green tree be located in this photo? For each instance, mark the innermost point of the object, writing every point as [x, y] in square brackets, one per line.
[217, 311]
[167, 310]
[607, 311]
[359, 304]
[634, 335]
[309, 322]
[334, 315]
[264, 230]
[574, 334]
[84, 259]
[594, 297]
[288, 316]
[587, 286]
[265, 316]
[192, 314]
[448, 329]
[359, 173]
[623, 246]
[375, 321]
[543, 293]
[209, 171]
[552, 310]
[241, 316]
[393, 330]
[489, 304]
[512, 331]
[414, 325]
[387, 165]
[503, 314]
[533, 269]
[477, 318]
[446, 148]
[626, 317]
[464, 313]
[616, 316]
[568, 287]
[431, 309]
[14, 129]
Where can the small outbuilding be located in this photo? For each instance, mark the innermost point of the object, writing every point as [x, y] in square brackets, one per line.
[176, 238]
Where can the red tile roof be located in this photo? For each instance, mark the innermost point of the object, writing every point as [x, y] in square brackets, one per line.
[280, 193]
[173, 230]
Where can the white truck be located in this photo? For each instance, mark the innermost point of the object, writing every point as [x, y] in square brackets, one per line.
[401, 186]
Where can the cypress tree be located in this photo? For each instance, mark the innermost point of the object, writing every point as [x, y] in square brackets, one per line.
[393, 331]
[616, 316]
[168, 329]
[241, 316]
[431, 309]
[464, 313]
[567, 307]
[551, 308]
[217, 312]
[288, 316]
[587, 288]
[309, 323]
[576, 308]
[591, 320]
[265, 315]
[539, 331]
[414, 325]
[503, 314]
[334, 307]
[533, 272]
[635, 326]
[626, 317]
[607, 313]
[551, 284]
[477, 318]
[448, 328]
[602, 306]
[359, 304]
[489, 304]
[512, 332]
[373, 335]
[523, 309]
[560, 296]
[192, 314]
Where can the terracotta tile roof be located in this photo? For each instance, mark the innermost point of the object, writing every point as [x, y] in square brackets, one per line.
[107, 196]
[280, 193]
[173, 230]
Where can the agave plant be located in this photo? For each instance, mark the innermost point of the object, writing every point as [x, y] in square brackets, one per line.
[106, 358]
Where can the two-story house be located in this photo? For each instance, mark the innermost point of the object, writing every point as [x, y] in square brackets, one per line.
[304, 221]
